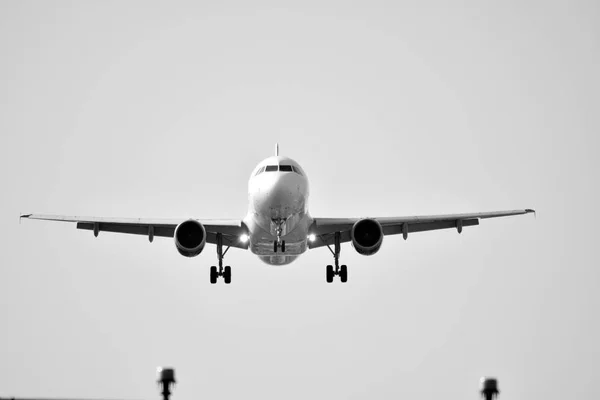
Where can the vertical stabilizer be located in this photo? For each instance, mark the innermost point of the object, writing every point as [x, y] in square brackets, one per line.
[277, 149]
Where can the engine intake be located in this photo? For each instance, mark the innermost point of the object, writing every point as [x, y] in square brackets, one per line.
[190, 238]
[367, 236]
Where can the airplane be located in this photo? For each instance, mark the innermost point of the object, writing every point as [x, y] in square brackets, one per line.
[278, 227]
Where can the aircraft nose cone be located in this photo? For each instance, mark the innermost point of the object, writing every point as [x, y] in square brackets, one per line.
[281, 197]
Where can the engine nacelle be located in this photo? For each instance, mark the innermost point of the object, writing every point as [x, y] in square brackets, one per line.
[367, 236]
[190, 238]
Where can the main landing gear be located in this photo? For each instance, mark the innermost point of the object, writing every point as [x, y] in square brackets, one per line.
[342, 270]
[224, 272]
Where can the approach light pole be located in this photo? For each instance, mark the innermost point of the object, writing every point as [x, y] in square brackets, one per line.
[489, 388]
[166, 379]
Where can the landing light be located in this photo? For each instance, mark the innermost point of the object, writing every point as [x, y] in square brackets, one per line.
[312, 237]
[244, 238]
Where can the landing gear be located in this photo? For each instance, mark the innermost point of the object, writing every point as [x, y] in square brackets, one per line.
[213, 274]
[224, 272]
[343, 274]
[332, 271]
[329, 273]
[279, 244]
[227, 275]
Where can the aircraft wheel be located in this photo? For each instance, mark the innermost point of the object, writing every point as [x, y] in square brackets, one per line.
[329, 273]
[343, 273]
[274, 246]
[213, 275]
[227, 275]
[283, 246]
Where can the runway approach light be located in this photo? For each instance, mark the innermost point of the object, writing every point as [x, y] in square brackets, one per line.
[489, 388]
[243, 238]
[166, 379]
[312, 237]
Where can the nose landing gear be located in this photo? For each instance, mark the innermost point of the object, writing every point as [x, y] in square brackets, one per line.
[225, 272]
[279, 244]
[341, 271]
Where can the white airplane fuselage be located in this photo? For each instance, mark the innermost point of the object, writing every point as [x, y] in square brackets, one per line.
[278, 210]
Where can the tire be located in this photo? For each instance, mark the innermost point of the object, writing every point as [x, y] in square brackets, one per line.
[344, 274]
[213, 275]
[227, 275]
[274, 246]
[329, 273]
[283, 246]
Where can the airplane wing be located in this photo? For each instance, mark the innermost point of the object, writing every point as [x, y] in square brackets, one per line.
[325, 229]
[230, 230]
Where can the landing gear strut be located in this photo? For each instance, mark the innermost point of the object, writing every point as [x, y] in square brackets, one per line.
[224, 272]
[279, 244]
[341, 271]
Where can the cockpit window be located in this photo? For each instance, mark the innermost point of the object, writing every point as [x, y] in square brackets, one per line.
[282, 168]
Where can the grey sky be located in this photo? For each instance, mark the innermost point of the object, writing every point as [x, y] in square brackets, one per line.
[162, 110]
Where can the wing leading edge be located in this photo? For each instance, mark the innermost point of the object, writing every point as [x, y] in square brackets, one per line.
[325, 229]
[230, 230]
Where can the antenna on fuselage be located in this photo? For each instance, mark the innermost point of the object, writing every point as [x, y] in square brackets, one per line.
[276, 149]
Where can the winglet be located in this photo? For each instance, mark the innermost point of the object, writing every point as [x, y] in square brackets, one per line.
[531, 210]
[23, 216]
[276, 149]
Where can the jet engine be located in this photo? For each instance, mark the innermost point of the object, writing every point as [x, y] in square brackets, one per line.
[367, 236]
[190, 238]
